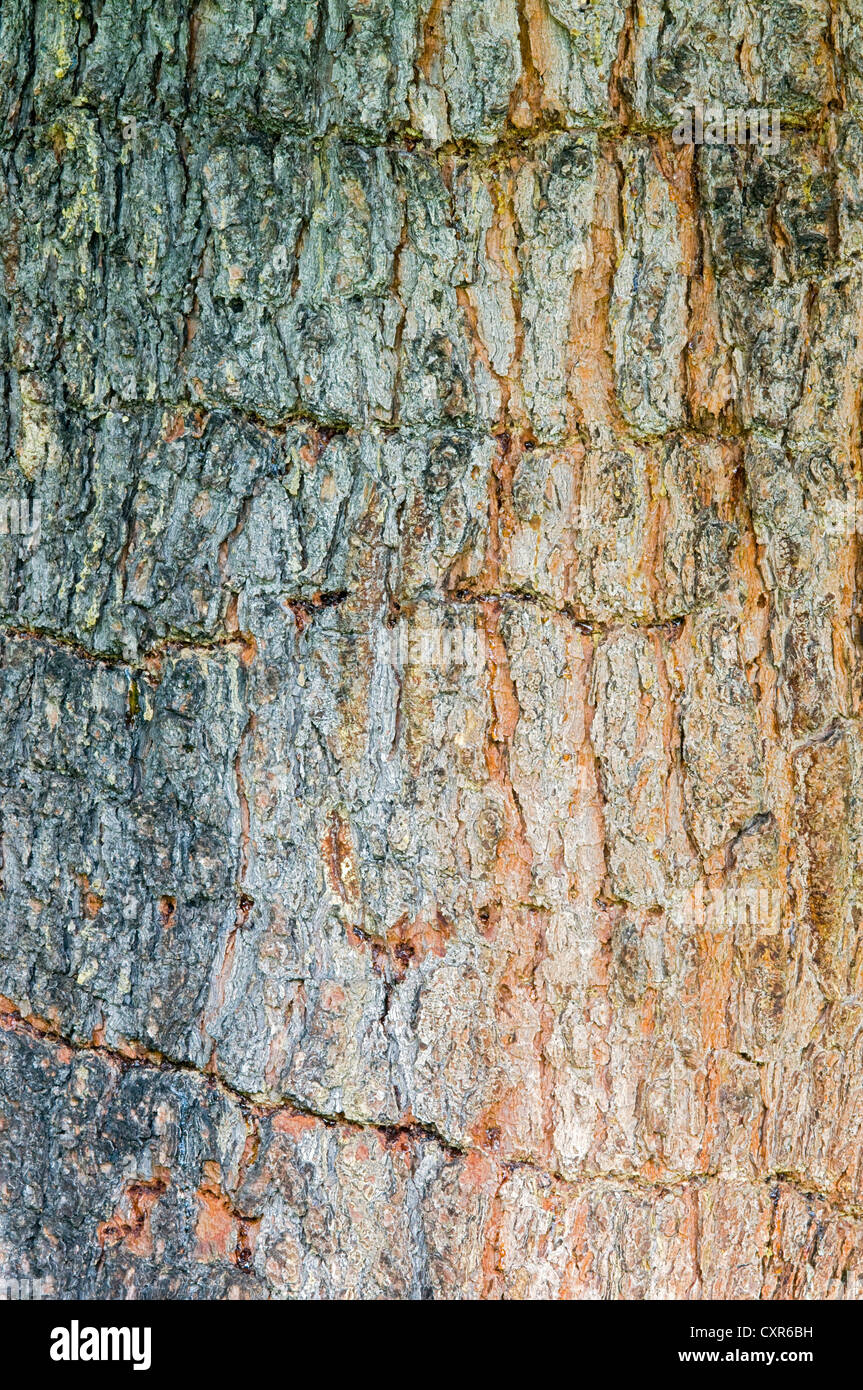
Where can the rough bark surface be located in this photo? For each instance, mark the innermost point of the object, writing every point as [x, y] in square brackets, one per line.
[432, 831]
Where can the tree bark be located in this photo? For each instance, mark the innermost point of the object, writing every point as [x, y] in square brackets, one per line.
[431, 805]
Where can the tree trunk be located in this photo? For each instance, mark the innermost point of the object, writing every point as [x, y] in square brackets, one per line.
[431, 809]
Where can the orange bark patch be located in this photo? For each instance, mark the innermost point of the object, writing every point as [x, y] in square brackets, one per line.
[92, 904]
[294, 1126]
[222, 1233]
[342, 877]
[410, 941]
[174, 427]
[130, 1224]
[217, 1228]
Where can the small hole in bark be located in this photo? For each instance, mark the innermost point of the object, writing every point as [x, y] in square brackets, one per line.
[167, 911]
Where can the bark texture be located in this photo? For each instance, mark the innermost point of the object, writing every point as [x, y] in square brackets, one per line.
[432, 833]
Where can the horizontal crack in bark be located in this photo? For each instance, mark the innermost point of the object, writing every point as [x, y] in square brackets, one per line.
[257, 1107]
